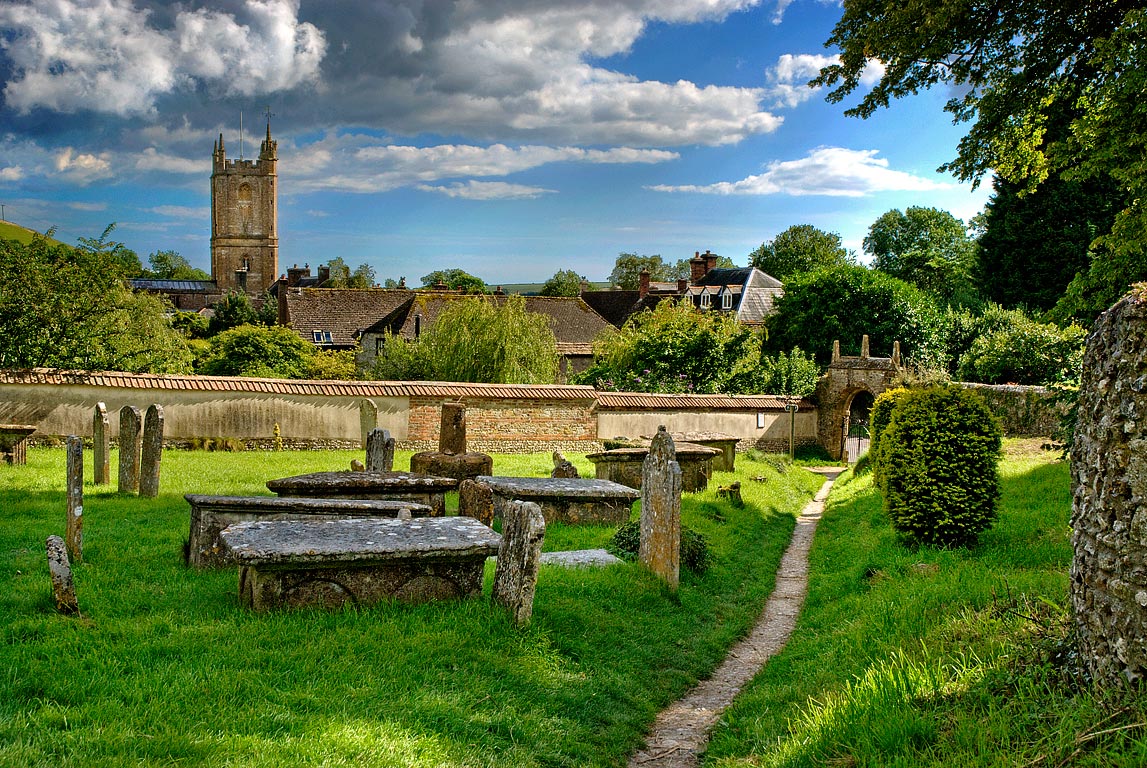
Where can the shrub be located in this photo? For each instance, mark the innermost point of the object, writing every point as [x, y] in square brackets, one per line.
[1024, 352]
[793, 374]
[694, 547]
[878, 419]
[938, 461]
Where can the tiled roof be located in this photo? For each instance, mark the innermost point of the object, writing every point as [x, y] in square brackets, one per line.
[614, 306]
[342, 312]
[761, 292]
[175, 286]
[642, 400]
[296, 386]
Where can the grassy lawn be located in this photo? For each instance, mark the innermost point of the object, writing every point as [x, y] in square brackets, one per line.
[926, 657]
[165, 668]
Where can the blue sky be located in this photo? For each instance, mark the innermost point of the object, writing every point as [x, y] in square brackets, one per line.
[510, 139]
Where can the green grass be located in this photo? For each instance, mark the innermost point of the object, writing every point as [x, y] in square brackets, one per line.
[165, 668]
[924, 657]
[10, 231]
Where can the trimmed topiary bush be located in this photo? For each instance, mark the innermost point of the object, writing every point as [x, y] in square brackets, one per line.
[937, 462]
[878, 419]
[694, 547]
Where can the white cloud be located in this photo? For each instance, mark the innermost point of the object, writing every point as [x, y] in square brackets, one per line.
[183, 212]
[829, 171]
[788, 78]
[82, 168]
[105, 56]
[152, 160]
[88, 206]
[779, 13]
[11, 173]
[487, 190]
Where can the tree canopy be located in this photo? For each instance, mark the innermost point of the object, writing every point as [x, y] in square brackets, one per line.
[927, 247]
[257, 350]
[1048, 86]
[565, 282]
[341, 275]
[479, 339]
[800, 248]
[626, 273]
[170, 265]
[455, 279]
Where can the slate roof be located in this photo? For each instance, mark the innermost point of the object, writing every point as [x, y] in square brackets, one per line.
[758, 290]
[614, 306]
[175, 286]
[348, 312]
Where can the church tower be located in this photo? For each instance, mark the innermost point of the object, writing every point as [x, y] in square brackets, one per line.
[245, 219]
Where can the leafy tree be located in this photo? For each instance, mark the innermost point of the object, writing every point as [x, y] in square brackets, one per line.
[391, 283]
[475, 339]
[800, 248]
[927, 247]
[336, 364]
[627, 268]
[1035, 242]
[257, 350]
[236, 309]
[793, 374]
[1024, 352]
[112, 252]
[341, 275]
[191, 324]
[1110, 274]
[455, 279]
[844, 303]
[675, 348]
[169, 265]
[683, 270]
[74, 310]
[1019, 70]
[565, 282]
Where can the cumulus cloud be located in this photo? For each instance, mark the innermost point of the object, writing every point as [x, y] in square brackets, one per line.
[829, 171]
[81, 167]
[788, 78]
[359, 163]
[106, 56]
[11, 173]
[152, 159]
[486, 190]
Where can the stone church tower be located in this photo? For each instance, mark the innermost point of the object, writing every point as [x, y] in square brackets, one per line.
[245, 219]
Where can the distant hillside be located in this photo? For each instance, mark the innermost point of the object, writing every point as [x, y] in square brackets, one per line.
[10, 231]
[532, 289]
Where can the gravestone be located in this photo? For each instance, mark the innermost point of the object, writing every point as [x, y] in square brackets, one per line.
[101, 460]
[74, 531]
[563, 467]
[152, 452]
[520, 553]
[129, 447]
[367, 418]
[660, 546]
[476, 500]
[379, 451]
[63, 587]
[452, 459]
[452, 432]
[1109, 485]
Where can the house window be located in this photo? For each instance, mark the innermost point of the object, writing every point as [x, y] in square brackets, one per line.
[704, 301]
[726, 300]
[379, 345]
[322, 337]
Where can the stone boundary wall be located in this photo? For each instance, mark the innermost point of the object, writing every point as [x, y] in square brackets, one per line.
[1023, 411]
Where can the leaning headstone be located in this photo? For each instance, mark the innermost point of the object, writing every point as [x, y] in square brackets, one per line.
[101, 472]
[152, 452]
[367, 418]
[476, 500]
[1109, 484]
[660, 546]
[379, 451]
[519, 555]
[563, 467]
[452, 433]
[74, 531]
[129, 447]
[63, 588]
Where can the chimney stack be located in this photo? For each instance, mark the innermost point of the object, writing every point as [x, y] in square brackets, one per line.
[643, 283]
[297, 273]
[281, 293]
[324, 273]
[710, 261]
[697, 268]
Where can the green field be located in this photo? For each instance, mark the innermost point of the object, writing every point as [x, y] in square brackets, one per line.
[166, 668]
[10, 231]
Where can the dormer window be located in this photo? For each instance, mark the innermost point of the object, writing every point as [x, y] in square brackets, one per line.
[726, 300]
[704, 301]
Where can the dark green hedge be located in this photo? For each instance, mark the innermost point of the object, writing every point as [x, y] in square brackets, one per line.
[938, 464]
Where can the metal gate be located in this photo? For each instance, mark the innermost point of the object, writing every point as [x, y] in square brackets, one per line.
[856, 441]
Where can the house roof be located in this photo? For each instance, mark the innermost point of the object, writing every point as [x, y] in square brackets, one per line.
[614, 306]
[175, 286]
[348, 312]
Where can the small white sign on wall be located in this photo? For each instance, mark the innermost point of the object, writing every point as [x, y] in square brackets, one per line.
[760, 419]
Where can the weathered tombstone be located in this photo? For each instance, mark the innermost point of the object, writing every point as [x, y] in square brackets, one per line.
[129, 447]
[563, 467]
[476, 500]
[367, 418]
[1109, 483]
[63, 587]
[152, 452]
[660, 546]
[75, 525]
[379, 451]
[731, 492]
[101, 472]
[452, 433]
[519, 555]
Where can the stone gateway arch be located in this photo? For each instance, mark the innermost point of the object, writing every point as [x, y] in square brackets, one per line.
[847, 388]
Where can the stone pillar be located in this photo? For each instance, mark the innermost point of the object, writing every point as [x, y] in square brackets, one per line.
[367, 418]
[452, 434]
[476, 500]
[519, 556]
[101, 461]
[152, 452]
[896, 353]
[379, 451]
[836, 351]
[660, 547]
[1109, 489]
[63, 587]
[75, 524]
[864, 347]
[129, 447]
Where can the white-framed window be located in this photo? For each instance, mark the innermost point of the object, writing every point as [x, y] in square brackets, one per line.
[726, 300]
[704, 301]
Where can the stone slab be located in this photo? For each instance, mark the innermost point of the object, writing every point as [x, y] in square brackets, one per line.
[330, 563]
[12, 446]
[460, 466]
[211, 514]
[571, 501]
[624, 465]
[409, 486]
[580, 558]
